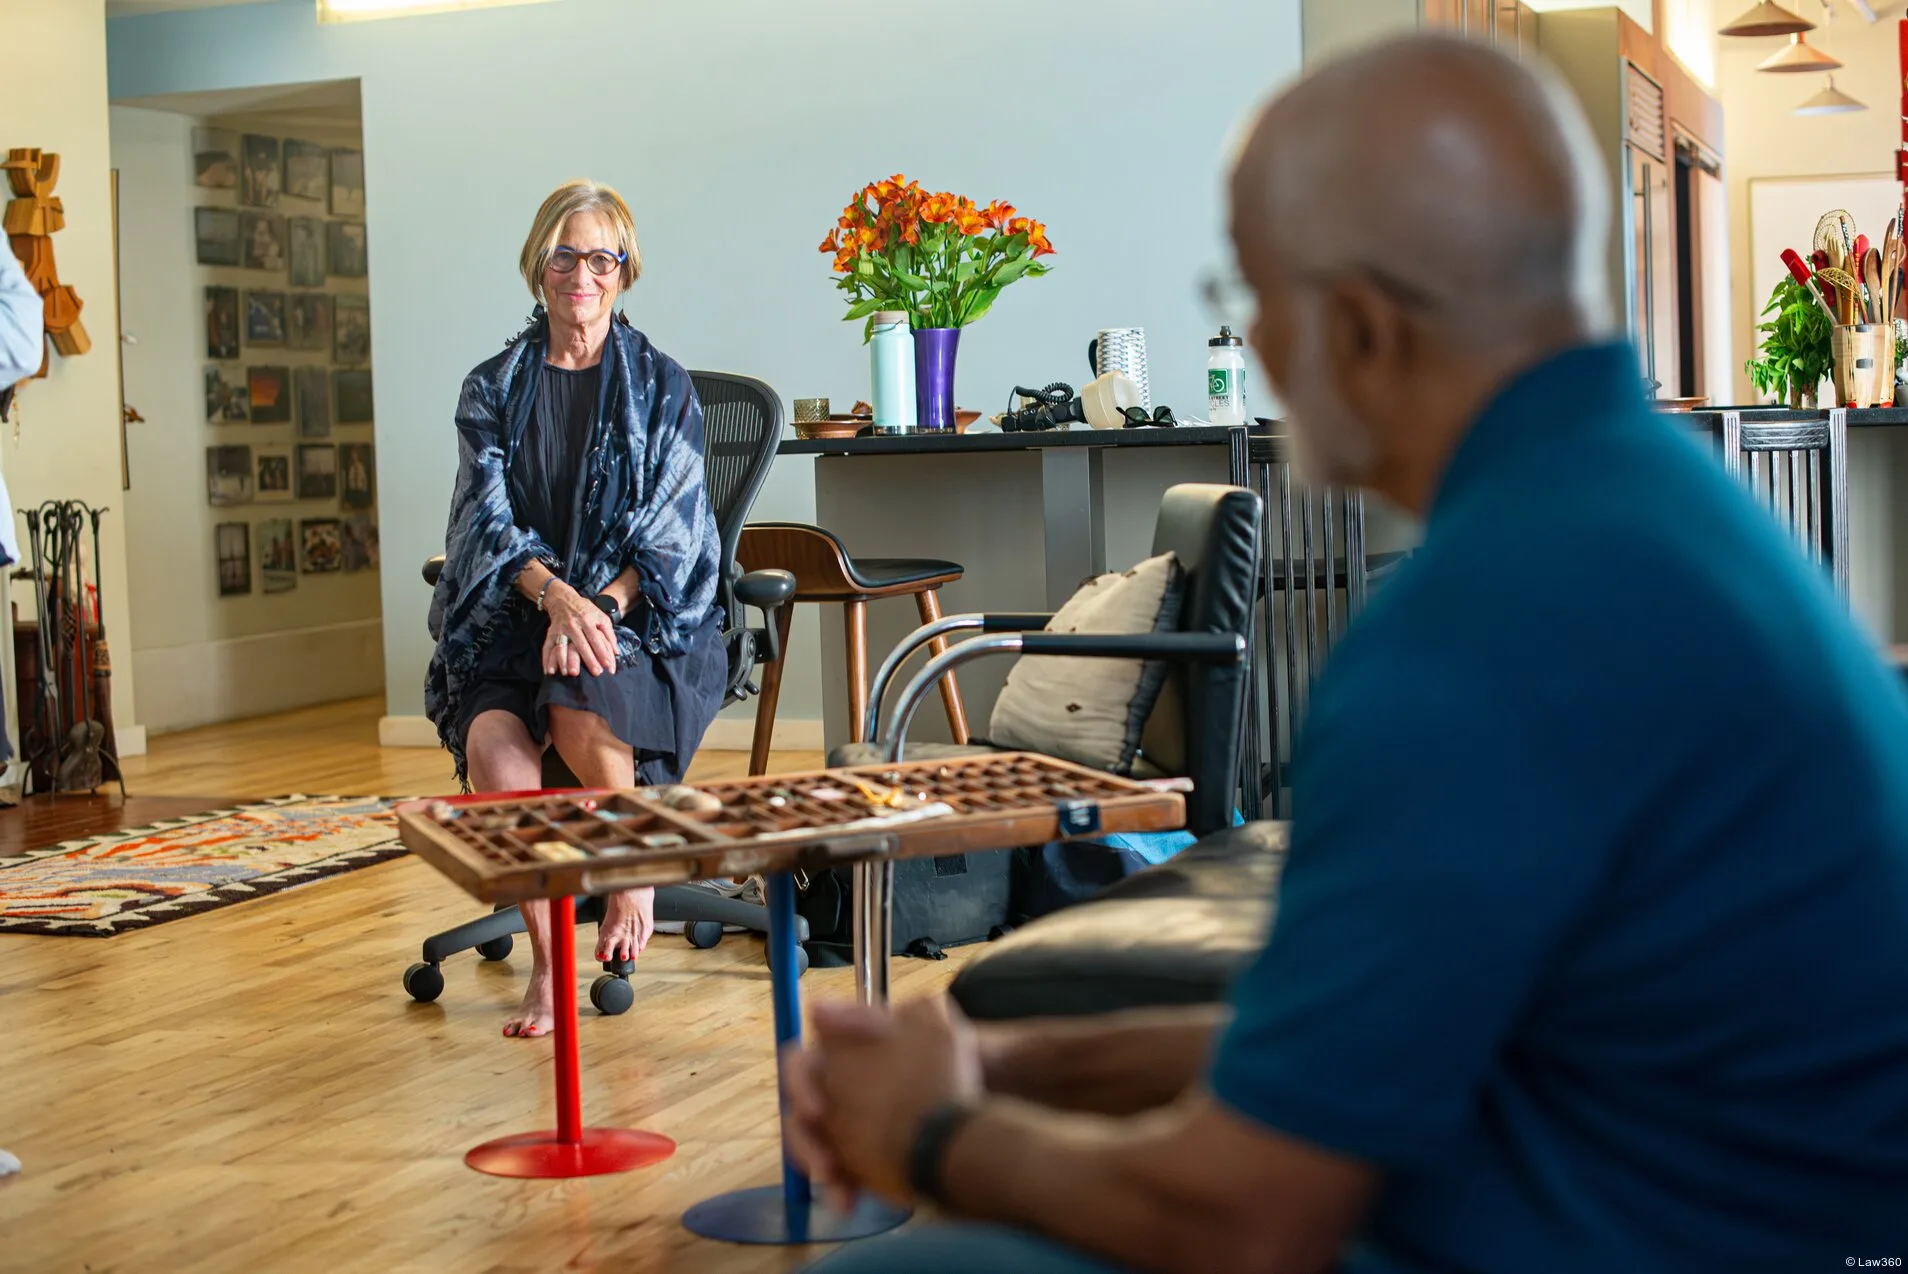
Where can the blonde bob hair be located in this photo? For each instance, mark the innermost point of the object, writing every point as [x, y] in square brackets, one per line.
[565, 202]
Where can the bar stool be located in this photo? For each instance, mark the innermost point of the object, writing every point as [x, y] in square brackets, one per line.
[824, 572]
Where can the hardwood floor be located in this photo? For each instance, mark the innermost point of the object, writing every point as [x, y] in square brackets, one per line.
[252, 1090]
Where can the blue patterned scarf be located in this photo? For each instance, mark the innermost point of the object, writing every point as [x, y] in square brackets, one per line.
[643, 503]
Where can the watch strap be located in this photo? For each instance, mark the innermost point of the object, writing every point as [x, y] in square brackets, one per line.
[928, 1156]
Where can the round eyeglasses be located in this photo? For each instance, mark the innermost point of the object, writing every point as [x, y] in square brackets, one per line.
[564, 260]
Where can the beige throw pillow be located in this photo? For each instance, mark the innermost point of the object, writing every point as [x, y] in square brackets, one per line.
[1092, 711]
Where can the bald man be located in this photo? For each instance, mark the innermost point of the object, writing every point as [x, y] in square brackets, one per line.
[1592, 946]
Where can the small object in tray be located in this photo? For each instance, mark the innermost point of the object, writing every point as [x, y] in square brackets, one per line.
[680, 796]
[662, 840]
[827, 794]
[444, 811]
[559, 851]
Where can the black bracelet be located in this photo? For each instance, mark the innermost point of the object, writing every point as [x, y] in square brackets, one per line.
[928, 1155]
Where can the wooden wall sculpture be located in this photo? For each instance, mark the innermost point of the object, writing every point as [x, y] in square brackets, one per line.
[32, 218]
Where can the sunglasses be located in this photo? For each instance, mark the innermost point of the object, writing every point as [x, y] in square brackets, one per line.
[564, 260]
[1162, 418]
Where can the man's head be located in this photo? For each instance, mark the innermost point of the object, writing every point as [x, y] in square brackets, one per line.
[1418, 222]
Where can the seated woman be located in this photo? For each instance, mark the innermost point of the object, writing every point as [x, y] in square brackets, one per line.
[577, 606]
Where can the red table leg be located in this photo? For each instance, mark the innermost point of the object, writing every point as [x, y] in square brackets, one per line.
[571, 1150]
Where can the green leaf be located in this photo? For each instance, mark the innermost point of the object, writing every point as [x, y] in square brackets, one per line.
[977, 306]
[864, 308]
[1012, 271]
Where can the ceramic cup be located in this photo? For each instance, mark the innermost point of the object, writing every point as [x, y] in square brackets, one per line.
[1864, 356]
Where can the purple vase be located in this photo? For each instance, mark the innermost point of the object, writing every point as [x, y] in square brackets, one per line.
[934, 351]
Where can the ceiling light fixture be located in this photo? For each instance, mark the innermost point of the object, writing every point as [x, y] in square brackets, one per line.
[1830, 101]
[357, 10]
[1769, 18]
[1799, 56]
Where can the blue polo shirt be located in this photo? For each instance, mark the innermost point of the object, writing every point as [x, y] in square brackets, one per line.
[1594, 931]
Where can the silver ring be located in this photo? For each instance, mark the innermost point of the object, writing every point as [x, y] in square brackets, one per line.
[563, 640]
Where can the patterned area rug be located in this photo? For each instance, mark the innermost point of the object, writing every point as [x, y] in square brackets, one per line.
[106, 885]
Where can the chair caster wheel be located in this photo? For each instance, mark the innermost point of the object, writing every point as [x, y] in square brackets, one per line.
[424, 982]
[496, 948]
[801, 959]
[612, 995]
[703, 934]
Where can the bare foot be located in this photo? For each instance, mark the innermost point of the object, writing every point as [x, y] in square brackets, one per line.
[628, 920]
[536, 1016]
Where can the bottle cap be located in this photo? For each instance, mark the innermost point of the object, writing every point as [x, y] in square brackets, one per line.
[890, 318]
[1225, 337]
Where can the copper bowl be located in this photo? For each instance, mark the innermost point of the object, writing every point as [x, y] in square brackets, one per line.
[832, 427]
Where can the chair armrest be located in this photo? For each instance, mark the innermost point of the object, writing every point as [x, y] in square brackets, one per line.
[1197, 648]
[433, 567]
[764, 590]
[1005, 622]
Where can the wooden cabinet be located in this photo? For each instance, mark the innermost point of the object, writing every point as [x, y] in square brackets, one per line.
[1335, 26]
[1509, 25]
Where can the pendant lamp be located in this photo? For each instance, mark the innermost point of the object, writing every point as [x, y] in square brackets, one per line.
[1830, 101]
[1769, 18]
[1799, 56]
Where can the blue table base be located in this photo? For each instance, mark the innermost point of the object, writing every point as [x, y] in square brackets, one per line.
[765, 1215]
[787, 1213]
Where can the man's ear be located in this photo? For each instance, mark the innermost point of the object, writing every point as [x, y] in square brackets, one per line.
[1368, 340]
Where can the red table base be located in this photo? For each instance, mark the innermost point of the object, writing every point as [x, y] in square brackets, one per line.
[598, 1152]
[570, 1149]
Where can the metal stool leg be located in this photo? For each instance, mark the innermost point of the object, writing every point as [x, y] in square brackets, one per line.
[786, 1213]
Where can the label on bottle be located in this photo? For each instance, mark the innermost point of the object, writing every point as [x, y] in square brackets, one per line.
[1218, 382]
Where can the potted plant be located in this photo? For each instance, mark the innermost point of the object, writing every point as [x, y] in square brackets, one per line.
[941, 258]
[1797, 346]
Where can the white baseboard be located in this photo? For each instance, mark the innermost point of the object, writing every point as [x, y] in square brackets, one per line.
[235, 678]
[736, 734]
[407, 732]
[725, 734]
[131, 739]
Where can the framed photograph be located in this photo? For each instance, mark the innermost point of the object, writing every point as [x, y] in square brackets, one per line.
[307, 170]
[218, 235]
[271, 392]
[317, 471]
[274, 484]
[346, 255]
[260, 175]
[306, 245]
[351, 328]
[233, 541]
[360, 536]
[347, 183]
[323, 551]
[221, 323]
[357, 475]
[225, 401]
[215, 158]
[314, 402]
[262, 241]
[308, 320]
[264, 318]
[351, 392]
[277, 555]
[228, 476]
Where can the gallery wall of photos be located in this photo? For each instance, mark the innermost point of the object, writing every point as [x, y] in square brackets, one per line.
[280, 227]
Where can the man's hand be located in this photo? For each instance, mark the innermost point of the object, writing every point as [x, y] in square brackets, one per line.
[858, 1094]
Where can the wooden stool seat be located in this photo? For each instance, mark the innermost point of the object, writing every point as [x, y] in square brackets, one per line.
[825, 571]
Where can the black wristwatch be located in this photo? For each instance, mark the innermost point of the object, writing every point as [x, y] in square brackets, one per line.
[608, 606]
[928, 1155]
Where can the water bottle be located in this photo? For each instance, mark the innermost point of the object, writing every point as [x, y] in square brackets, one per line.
[1225, 380]
[892, 353]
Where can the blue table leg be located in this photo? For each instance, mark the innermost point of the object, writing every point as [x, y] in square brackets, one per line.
[786, 1214]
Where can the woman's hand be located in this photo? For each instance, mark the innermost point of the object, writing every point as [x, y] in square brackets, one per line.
[591, 637]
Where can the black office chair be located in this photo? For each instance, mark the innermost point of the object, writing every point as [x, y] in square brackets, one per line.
[742, 426]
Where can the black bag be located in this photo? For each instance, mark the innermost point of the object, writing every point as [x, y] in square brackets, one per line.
[938, 902]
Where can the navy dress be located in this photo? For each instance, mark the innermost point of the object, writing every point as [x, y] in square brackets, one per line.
[659, 705]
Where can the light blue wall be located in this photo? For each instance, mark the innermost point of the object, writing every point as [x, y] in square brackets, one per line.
[737, 130]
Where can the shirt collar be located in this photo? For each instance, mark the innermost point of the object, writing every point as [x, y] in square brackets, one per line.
[1566, 391]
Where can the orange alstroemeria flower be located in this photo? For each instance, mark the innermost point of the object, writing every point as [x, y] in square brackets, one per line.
[845, 259]
[937, 209]
[999, 213]
[830, 244]
[911, 233]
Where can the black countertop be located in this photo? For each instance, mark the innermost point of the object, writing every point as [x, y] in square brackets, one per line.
[1858, 417]
[914, 444]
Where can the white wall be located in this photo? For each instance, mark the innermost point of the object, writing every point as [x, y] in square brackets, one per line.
[53, 96]
[203, 657]
[737, 130]
[1763, 139]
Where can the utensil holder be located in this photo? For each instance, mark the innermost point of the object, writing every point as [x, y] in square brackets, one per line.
[1864, 364]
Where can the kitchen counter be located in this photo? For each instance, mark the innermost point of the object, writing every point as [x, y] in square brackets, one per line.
[1027, 515]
